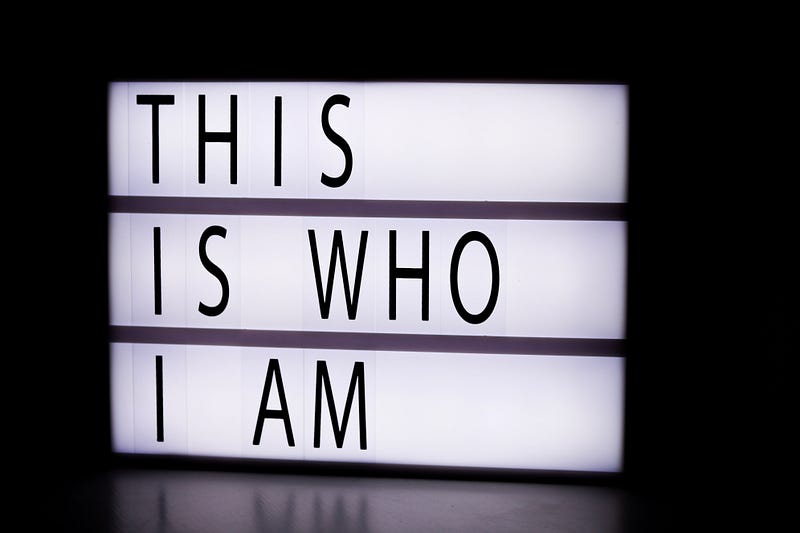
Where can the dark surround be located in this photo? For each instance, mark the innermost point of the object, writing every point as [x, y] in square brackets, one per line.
[712, 290]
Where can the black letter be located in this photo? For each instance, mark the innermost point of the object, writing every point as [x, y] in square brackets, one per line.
[274, 369]
[338, 433]
[278, 120]
[338, 246]
[215, 270]
[204, 137]
[157, 269]
[462, 242]
[338, 140]
[395, 272]
[155, 100]
[159, 399]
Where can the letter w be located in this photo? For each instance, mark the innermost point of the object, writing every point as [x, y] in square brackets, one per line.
[351, 296]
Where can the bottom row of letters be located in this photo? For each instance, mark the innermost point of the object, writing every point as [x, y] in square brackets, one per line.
[440, 409]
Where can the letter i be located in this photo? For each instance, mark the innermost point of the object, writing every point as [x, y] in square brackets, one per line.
[157, 270]
[159, 399]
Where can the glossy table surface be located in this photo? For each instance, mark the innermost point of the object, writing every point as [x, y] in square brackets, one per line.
[159, 500]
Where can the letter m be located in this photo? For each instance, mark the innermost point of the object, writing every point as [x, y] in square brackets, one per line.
[357, 380]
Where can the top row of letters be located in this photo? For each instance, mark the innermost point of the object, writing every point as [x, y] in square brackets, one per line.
[371, 140]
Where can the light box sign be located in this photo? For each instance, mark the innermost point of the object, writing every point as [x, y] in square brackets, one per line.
[426, 274]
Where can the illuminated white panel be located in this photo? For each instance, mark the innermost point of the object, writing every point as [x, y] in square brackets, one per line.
[214, 401]
[143, 100]
[293, 135]
[515, 142]
[340, 365]
[566, 279]
[144, 294]
[447, 409]
[273, 441]
[217, 153]
[174, 395]
[119, 268]
[121, 378]
[217, 240]
[408, 141]
[248, 263]
[500, 411]
[554, 278]
[325, 151]
[272, 253]
[118, 139]
[338, 319]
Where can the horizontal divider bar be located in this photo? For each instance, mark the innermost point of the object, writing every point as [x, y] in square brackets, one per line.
[369, 208]
[338, 340]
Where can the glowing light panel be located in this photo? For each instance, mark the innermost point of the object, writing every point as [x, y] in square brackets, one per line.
[393, 273]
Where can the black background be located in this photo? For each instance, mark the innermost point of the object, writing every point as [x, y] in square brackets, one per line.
[712, 292]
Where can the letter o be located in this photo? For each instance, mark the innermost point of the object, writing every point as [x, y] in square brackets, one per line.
[460, 245]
